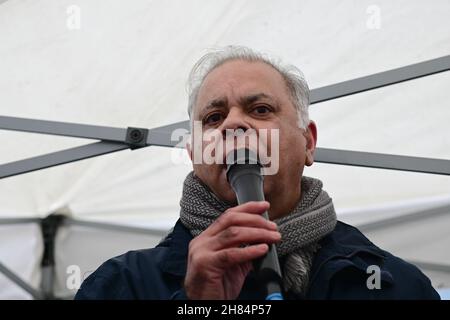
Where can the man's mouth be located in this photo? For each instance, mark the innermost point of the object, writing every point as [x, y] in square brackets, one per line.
[264, 164]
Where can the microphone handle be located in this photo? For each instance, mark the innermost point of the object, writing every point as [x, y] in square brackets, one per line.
[269, 271]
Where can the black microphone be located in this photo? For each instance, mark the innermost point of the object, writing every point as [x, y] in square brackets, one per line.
[244, 176]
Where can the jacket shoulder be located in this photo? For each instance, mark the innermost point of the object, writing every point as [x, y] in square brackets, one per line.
[409, 281]
[123, 277]
[351, 256]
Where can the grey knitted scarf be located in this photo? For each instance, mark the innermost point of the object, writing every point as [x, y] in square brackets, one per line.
[312, 219]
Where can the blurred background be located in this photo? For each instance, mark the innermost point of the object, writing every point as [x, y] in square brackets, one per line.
[125, 64]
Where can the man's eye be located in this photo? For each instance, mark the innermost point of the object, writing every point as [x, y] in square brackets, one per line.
[213, 118]
[261, 109]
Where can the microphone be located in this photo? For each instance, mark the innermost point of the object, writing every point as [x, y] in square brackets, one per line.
[244, 176]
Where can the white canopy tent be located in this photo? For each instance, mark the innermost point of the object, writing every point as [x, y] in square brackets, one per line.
[110, 63]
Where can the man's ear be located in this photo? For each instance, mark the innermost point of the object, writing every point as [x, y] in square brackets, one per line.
[311, 140]
[189, 149]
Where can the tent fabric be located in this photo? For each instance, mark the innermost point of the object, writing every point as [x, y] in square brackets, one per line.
[127, 65]
[21, 251]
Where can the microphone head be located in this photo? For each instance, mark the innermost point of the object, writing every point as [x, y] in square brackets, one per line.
[239, 157]
[244, 175]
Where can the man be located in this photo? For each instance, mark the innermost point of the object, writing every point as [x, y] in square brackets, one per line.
[209, 253]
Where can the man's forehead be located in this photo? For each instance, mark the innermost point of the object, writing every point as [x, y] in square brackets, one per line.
[243, 79]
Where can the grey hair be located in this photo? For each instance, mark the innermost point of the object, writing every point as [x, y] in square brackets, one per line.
[294, 78]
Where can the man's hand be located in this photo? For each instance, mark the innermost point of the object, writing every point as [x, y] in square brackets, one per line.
[217, 261]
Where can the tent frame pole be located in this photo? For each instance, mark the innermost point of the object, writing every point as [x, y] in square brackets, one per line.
[381, 79]
[49, 228]
[115, 227]
[161, 136]
[117, 139]
[36, 294]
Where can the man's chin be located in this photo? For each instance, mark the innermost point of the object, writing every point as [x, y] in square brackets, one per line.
[218, 184]
[225, 191]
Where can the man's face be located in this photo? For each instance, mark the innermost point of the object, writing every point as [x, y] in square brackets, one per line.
[253, 95]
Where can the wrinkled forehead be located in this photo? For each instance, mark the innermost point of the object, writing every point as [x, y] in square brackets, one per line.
[237, 79]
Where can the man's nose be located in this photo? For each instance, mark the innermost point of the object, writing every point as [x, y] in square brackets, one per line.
[235, 120]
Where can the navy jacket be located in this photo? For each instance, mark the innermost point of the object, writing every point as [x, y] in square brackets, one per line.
[339, 271]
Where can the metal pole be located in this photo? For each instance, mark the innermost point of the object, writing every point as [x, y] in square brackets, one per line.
[115, 227]
[380, 79]
[383, 161]
[22, 284]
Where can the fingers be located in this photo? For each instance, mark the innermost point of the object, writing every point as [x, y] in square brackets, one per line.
[253, 207]
[217, 265]
[235, 236]
[248, 214]
[233, 256]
